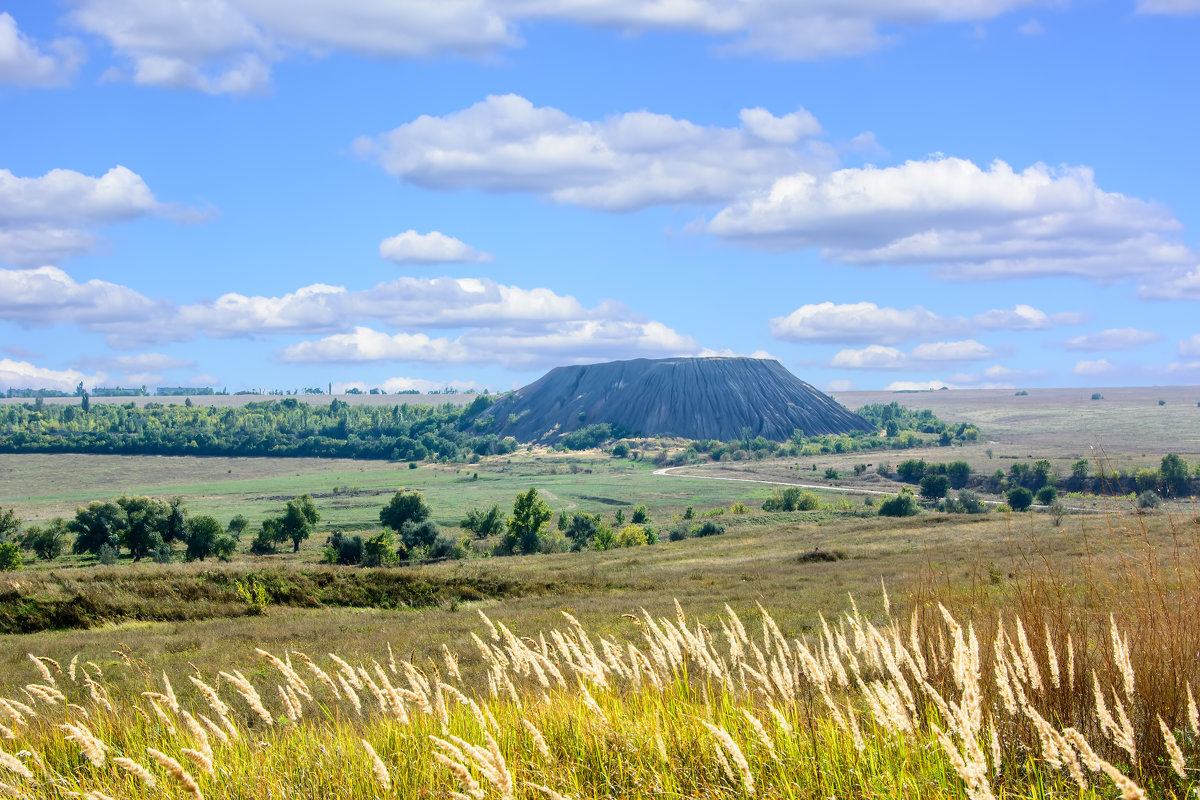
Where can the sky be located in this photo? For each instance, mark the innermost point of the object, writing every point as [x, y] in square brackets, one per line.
[880, 194]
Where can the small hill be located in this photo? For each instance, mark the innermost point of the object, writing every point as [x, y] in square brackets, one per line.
[696, 398]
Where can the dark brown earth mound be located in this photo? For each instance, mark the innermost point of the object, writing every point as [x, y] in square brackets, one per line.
[696, 398]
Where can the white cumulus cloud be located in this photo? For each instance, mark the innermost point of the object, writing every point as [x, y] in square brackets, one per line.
[24, 375]
[931, 355]
[48, 218]
[868, 322]
[24, 62]
[1190, 347]
[1182, 284]
[1100, 366]
[1112, 339]
[230, 45]
[965, 222]
[434, 247]
[624, 162]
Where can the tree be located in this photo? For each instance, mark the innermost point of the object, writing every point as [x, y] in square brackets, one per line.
[405, 506]
[1046, 495]
[379, 550]
[47, 542]
[911, 470]
[970, 503]
[202, 533]
[1041, 475]
[582, 528]
[641, 515]
[632, 536]
[1019, 498]
[959, 472]
[237, 526]
[417, 534]
[902, 505]
[484, 523]
[299, 517]
[1173, 475]
[96, 525]
[10, 556]
[8, 524]
[529, 515]
[146, 524]
[934, 487]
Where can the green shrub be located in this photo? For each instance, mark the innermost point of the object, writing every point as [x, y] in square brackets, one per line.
[710, 528]
[902, 505]
[641, 515]
[10, 557]
[379, 550]
[1046, 495]
[631, 536]
[107, 555]
[739, 508]
[1019, 498]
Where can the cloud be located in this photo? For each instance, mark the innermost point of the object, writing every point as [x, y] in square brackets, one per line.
[139, 363]
[625, 162]
[931, 355]
[24, 375]
[994, 377]
[839, 386]
[1031, 28]
[434, 247]
[1112, 339]
[1179, 285]
[49, 296]
[1190, 347]
[1098, 367]
[574, 341]
[868, 322]
[1172, 7]
[23, 62]
[965, 222]
[46, 218]
[230, 45]
[917, 386]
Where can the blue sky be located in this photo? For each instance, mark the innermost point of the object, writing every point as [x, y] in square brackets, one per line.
[269, 194]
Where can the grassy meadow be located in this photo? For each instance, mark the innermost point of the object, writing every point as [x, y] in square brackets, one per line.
[1007, 656]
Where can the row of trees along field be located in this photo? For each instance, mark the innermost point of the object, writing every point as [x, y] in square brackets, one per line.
[404, 432]
[1026, 483]
[162, 530]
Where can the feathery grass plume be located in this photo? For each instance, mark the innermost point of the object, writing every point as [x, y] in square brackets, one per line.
[170, 692]
[1193, 714]
[91, 746]
[379, 769]
[761, 732]
[246, 689]
[723, 760]
[1080, 743]
[380, 697]
[972, 771]
[215, 729]
[288, 708]
[95, 668]
[591, 703]
[348, 692]
[96, 794]
[994, 746]
[1177, 761]
[162, 716]
[393, 695]
[347, 670]
[539, 741]
[14, 764]
[71, 667]
[735, 753]
[202, 760]
[7, 732]
[391, 659]
[458, 767]
[42, 668]
[17, 717]
[176, 770]
[887, 604]
[1052, 659]
[47, 694]
[197, 731]
[1031, 665]
[214, 701]
[289, 674]
[136, 770]
[1126, 739]
[419, 686]
[491, 626]
[451, 663]
[320, 674]
[98, 693]
[780, 719]
[1121, 657]
[546, 790]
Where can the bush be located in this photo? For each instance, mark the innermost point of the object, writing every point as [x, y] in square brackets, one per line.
[641, 515]
[970, 503]
[10, 556]
[679, 532]
[934, 487]
[710, 528]
[632, 536]
[344, 549]
[1019, 498]
[620, 450]
[792, 499]
[379, 550]
[902, 505]
[832, 474]
[689, 513]
[444, 546]
[739, 508]
[1046, 495]
[1148, 499]
[106, 555]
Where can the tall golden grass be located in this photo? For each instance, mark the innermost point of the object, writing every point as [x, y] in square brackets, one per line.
[1046, 688]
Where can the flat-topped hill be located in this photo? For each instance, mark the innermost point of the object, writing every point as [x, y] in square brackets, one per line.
[696, 398]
